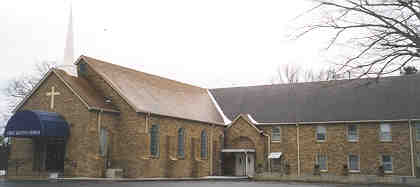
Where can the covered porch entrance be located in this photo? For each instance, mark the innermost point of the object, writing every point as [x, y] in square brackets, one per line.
[48, 132]
[239, 162]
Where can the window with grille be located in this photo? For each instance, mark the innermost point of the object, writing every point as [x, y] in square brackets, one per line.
[385, 132]
[321, 133]
[354, 163]
[181, 142]
[387, 163]
[352, 133]
[276, 134]
[154, 140]
[203, 144]
[322, 161]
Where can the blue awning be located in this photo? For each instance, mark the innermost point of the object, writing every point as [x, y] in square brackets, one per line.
[31, 123]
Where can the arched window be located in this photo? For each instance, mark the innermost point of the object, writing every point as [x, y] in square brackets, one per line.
[181, 142]
[222, 142]
[154, 140]
[203, 144]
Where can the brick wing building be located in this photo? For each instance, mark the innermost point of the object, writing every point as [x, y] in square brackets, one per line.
[111, 117]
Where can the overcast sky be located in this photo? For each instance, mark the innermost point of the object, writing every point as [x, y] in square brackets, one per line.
[211, 44]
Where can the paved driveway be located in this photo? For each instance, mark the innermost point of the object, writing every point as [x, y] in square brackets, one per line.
[171, 184]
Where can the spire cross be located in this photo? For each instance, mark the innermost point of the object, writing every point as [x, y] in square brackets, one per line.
[52, 94]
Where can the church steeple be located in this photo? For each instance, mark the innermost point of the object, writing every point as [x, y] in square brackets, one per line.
[68, 59]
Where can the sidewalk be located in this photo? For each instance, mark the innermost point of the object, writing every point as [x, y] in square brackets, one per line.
[208, 178]
[362, 179]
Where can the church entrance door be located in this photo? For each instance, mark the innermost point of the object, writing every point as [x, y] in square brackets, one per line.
[55, 155]
[239, 164]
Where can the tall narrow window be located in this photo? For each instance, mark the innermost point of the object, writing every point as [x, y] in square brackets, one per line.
[321, 133]
[385, 132]
[154, 140]
[352, 133]
[203, 144]
[354, 163]
[103, 142]
[181, 142]
[387, 163]
[222, 142]
[276, 134]
[418, 131]
[321, 161]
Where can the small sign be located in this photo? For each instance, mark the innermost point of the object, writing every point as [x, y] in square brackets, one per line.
[53, 175]
[274, 155]
[23, 133]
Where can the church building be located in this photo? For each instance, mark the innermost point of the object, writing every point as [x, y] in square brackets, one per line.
[109, 117]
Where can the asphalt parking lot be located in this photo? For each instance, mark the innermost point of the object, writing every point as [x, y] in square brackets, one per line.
[173, 184]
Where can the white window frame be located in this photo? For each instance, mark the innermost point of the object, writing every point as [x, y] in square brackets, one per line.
[392, 163]
[272, 134]
[417, 131]
[357, 133]
[326, 161]
[349, 166]
[316, 133]
[381, 138]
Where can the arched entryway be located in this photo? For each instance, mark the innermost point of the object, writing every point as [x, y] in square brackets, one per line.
[240, 157]
[48, 131]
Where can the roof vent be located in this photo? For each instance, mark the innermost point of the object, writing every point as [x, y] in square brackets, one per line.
[107, 100]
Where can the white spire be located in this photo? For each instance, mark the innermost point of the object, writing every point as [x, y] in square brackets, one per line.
[68, 60]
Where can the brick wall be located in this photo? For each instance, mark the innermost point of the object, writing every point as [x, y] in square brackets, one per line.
[131, 146]
[241, 135]
[337, 148]
[82, 124]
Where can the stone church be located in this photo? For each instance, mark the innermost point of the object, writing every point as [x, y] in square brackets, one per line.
[109, 117]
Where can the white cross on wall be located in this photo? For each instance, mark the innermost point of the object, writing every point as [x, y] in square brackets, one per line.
[52, 94]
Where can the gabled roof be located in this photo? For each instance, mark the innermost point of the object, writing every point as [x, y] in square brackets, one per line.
[93, 99]
[80, 87]
[157, 95]
[389, 98]
[250, 121]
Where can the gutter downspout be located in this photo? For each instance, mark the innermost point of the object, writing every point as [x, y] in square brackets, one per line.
[146, 130]
[99, 133]
[99, 122]
[211, 150]
[411, 148]
[298, 147]
[268, 150]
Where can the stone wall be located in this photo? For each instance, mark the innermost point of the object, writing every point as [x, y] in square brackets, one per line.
[82, 124]
[337, 148]
[287, 145]
[241, 135]
[131, 146]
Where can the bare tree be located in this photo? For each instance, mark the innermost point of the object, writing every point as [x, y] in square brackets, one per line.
[384, 34]
[290, 73]
[19, 87]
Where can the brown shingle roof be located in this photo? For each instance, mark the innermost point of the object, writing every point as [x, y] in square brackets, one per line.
[158, 95]
[92, 98]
